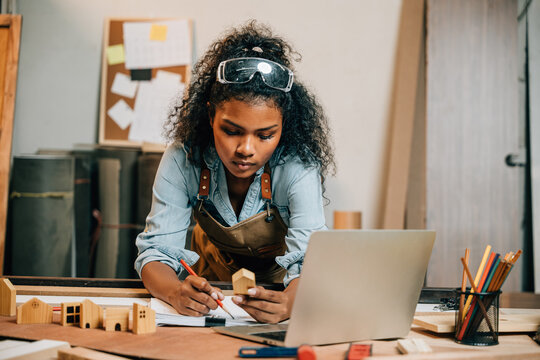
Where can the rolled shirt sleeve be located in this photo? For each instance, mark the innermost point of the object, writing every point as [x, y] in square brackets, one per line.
[306, 214]
[164, 237]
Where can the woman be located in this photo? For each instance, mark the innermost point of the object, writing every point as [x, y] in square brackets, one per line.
[249, 155]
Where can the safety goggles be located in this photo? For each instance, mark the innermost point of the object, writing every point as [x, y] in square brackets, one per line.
[242, 70]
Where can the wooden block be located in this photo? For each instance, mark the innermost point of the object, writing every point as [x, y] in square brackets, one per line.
[117, 319]
[413, 346]
[70, 313]
[144, 319]
[242, 280]
[347, 219]
[34, 311]
[7, 298]
[91, 315]
[37, 350]
[80, 353]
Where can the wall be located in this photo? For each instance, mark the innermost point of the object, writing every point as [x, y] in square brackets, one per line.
[348, 57]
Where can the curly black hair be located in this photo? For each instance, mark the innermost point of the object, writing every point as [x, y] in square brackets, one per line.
[305, 130]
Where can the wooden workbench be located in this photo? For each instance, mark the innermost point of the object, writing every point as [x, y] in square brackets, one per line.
[204, 343]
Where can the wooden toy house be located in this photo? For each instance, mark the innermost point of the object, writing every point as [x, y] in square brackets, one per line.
[70, 313]
[34, 311]
[7, 298]
[91, 315]
[116, 319]
[242, 280]
[144, 319]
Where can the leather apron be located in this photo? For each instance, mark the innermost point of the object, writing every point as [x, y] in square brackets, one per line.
[253, 243]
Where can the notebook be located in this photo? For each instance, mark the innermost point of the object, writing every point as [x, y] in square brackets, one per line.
[355, 285]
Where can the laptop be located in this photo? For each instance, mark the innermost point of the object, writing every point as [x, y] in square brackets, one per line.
[355, 285]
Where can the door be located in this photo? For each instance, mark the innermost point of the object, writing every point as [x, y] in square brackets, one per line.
[472, 197]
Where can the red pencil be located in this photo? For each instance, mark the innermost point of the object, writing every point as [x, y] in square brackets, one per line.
[191, 272]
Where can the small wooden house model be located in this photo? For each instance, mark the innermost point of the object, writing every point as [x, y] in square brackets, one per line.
[242, 280]
[34, 311]
[144, 319]
[116, 319]
[91, 315]
[70, 313]
[7, 298]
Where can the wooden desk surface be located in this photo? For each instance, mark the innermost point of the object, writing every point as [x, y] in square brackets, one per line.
[204, 343]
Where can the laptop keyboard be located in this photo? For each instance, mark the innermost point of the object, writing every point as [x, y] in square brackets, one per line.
[274, 335]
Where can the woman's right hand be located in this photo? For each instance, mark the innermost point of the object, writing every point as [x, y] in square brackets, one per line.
[194, 296]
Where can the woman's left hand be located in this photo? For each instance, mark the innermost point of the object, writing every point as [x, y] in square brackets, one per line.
[268, 306]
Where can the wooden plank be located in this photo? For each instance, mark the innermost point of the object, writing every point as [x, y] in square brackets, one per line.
[520, 300]
[524, 321]
[415, 213]
[80, 353]
[534, 121]
[403, 112]
[473, 198]
[37, 350]
[9, 59]
[81, 291]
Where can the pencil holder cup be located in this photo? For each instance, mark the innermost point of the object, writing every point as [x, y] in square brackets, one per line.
[477, 320]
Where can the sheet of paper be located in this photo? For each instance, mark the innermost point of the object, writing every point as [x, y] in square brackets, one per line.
[158, 32]
[124, 86]
[153, 104]
[115, 54]
[167, 315]
[142, 52]
[122, 114]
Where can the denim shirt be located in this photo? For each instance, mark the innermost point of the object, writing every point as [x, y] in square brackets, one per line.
[296, 192]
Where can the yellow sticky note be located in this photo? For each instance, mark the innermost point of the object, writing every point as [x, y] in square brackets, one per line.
[158, 32]
[115, 54]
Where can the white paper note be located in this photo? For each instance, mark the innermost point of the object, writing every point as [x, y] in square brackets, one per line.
[124, 86]
[122, 114]
[154, 101]
[143, 53]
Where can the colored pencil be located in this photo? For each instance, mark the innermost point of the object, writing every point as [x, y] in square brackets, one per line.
[463, 288]
[478, 275]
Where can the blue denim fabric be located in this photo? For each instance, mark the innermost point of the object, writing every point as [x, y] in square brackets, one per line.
[296, 192]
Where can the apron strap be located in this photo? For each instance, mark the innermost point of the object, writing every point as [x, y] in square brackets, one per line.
[266, 183]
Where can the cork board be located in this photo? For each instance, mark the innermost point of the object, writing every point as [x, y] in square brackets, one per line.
[111, 131]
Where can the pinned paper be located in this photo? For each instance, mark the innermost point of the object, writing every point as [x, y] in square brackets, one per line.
[122, 114]
[158, 32]
[152, 106]
[144, 53]
[122, 85]
[168, 76]
[115, 54]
